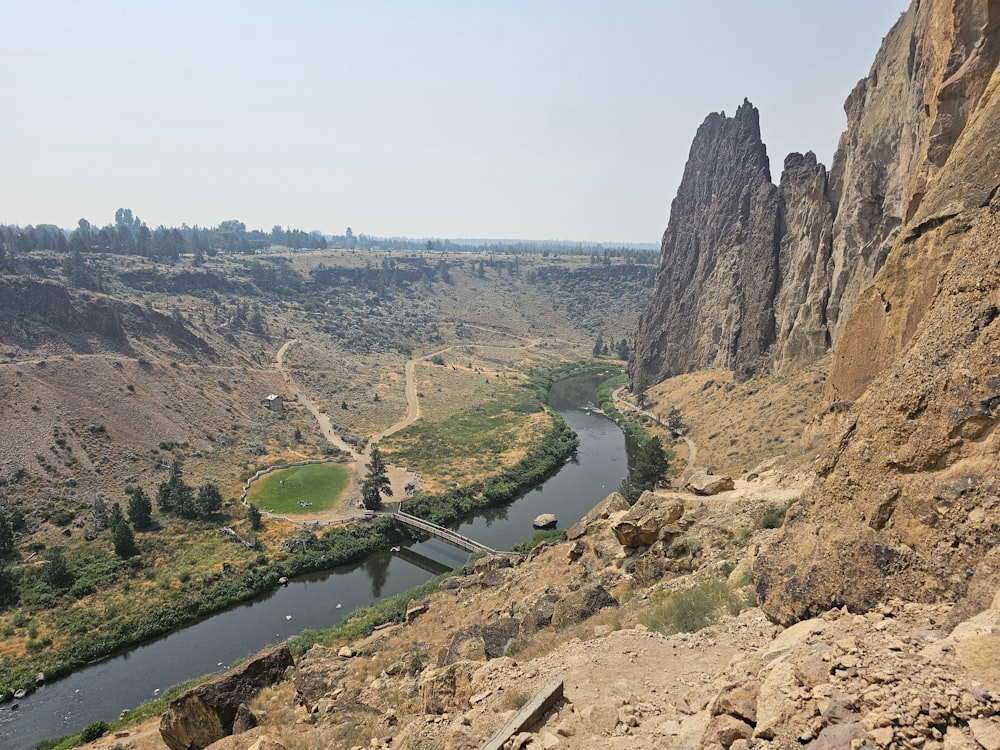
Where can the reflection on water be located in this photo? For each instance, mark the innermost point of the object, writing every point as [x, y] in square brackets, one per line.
[377, 568]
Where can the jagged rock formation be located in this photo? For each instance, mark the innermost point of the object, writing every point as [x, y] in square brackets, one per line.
[712, 303]
[746, 267]
[728, 288]
[904, 500]
[890, 263]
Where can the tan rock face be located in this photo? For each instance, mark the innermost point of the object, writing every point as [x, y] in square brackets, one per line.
[642, 524]
[206, 713]
[897, 509]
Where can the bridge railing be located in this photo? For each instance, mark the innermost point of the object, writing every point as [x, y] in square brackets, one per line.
[440, 532]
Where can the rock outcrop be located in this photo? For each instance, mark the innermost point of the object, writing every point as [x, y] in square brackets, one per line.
[648, 521]
[748, 270]
[888, 262]
[207, 713]
[714, 294]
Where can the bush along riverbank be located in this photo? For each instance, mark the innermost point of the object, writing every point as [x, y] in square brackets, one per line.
[543, 460]
[606, 404]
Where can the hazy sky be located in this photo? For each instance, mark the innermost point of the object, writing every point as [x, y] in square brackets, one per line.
[561, 119]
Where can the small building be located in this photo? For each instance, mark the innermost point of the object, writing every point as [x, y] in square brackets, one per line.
[274, 402]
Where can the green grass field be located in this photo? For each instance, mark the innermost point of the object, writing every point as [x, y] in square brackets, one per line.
[300, 489]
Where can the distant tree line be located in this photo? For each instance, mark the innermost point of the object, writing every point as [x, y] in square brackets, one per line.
[129, 235]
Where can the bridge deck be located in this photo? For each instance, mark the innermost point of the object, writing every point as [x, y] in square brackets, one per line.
[439, 532]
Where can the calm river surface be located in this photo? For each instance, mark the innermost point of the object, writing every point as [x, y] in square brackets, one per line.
[104, 689]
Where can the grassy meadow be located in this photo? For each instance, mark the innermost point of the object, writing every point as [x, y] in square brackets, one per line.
[300, 489]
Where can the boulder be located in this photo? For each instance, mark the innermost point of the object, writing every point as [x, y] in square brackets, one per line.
[545, 521]
[494, 562]
[498, 634]
[579, 605]
[245, 719]
[724, 730]
[414, 609]
[206, 713]
[318, 674]
[465, 645]
[643, 523]
[702, 483]
[447, 688]
[613, 503]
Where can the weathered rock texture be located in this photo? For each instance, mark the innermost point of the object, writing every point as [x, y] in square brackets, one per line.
[207, 713]
[712, 303]
[905, 498]
[889, 262]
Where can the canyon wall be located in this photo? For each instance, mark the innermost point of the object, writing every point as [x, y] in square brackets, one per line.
[889, 263]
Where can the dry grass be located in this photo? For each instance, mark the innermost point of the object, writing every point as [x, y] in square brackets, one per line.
[738, 425]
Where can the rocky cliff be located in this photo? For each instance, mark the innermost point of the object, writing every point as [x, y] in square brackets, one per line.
[905, 498]
[712, 303]
[745, 271]
[745, 265]
[889, 263]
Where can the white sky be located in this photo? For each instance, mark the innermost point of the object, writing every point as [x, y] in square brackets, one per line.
[547, 119]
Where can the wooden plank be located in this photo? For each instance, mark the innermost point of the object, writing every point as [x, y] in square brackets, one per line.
[529, 715]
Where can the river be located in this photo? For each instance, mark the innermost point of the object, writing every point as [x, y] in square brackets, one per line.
[104, 689]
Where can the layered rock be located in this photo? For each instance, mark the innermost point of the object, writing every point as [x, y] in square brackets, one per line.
[208, 712]
[804, 262]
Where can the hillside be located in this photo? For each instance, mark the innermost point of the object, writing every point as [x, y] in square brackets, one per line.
[114, 368]
[882, 267]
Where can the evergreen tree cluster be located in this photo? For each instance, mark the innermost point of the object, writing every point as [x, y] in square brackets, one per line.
[129, 235]
[650, 466]
[175, 496]
[619, 349]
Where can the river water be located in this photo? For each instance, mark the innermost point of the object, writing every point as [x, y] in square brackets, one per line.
[104, 689]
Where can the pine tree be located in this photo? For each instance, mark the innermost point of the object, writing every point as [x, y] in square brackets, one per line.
[254, 517]
[599, 345]
[140, 509]
[57, 572]
[124, 539]
[6, 535]
[652, 463]
[209, 500]
[376, 481]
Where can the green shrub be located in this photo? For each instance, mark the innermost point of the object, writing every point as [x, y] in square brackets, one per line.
[542, 537]
[774, 517]
[92, 731]
[697, 607]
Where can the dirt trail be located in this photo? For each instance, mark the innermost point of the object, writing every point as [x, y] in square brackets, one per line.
[399, 477]
[622, 405]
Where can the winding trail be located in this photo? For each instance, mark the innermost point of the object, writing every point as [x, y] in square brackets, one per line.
[622, 405]
[399, 477]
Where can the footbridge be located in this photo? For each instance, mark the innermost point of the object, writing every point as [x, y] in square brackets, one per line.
[439, 532]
